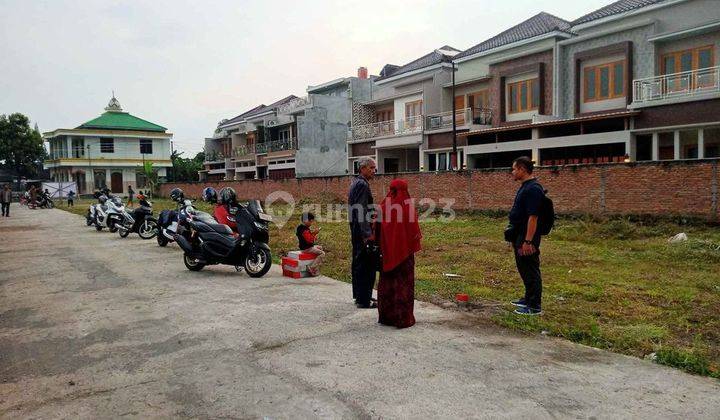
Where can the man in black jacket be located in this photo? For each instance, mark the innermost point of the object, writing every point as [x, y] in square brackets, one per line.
[526, 245]
[360, 210]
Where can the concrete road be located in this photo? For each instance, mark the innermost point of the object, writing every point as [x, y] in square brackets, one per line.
[95, 326]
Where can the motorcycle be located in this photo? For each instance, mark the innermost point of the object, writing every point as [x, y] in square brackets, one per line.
[140, 222]
[109, 215]
[172, 222]
[90, 216]
[44, 201]
[214, 243]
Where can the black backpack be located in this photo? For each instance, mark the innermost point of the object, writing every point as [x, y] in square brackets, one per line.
[546, 219]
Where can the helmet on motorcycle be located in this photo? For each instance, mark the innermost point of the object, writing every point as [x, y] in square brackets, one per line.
[177, 195]
[227, 196]
[210, 195]
[102, 198]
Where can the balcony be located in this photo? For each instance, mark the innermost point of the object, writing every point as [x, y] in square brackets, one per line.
[296, 105]
[242, 151]
[276, 146]
[389, 128]
[677, 87]
[463, 117]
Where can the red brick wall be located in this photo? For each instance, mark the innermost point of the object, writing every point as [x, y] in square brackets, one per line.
[668, 188]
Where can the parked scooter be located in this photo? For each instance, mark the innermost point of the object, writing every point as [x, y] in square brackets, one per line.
[109, 215]
[44, 201]
[172, 222]
[213, 243]
[140, 221]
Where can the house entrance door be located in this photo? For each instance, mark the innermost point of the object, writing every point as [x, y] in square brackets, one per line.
[116, 182]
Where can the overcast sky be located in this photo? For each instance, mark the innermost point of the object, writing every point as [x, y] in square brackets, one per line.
[187, 65]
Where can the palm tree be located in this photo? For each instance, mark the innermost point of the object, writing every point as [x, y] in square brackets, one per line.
[150, 175]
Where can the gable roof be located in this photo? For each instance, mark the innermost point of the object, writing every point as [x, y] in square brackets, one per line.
[620, 6]
[114, 120]
[540, 24]
[260, 109]
[427, 60]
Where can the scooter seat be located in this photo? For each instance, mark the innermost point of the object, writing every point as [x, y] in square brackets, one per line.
[219, 228]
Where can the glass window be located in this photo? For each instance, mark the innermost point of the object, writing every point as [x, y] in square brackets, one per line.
[535, 93]
[442, 162]
[604, 82]
[619, 79]
[705, 58]
[669, 64]
[686, 61]
[513, 98]
[107, 145]
[590, 83]
[523, 95]
[146, 146]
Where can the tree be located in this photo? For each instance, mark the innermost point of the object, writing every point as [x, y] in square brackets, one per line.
[185, 169]
[21, 148]
[150, 175]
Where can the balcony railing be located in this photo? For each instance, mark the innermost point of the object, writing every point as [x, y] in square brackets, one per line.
[677, 85]
[466, 116]
[245, 150]
[276, 146]
[389, 128]
[294, 105]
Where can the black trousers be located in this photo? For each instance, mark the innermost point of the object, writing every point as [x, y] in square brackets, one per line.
[529, 269]
[363, 272]
[6, 209]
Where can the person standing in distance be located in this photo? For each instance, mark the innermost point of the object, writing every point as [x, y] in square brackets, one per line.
[360, 210]
[525, 235]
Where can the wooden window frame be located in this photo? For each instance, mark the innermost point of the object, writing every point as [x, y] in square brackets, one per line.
[408, 105]
[383, 115]
[611, 81]
[483, 93]
[529, 102]
[695, 57]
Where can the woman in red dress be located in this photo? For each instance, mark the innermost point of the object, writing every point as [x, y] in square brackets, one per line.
[399, 241]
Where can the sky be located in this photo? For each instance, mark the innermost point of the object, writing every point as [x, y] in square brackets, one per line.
[188, 64]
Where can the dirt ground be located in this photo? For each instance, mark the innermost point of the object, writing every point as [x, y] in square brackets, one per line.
[95, 326]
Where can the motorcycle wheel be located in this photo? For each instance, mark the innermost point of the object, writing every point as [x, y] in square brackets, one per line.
[123, 232]
[161, 239]
[98, 227]
[148, 230]
[50, 205]
[191, 264]
[112, 227]
[259, 264]
[88, 219]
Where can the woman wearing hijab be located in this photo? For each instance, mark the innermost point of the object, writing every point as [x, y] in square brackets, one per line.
[399, 241]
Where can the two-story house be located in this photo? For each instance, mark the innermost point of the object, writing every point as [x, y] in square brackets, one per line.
[257, 144]
[324, 118]
[634, 80]
[108, 151]
[390, 126]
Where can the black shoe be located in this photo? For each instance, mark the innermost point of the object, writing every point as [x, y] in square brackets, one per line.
[520, 303]
[370, 305]
[528, 311]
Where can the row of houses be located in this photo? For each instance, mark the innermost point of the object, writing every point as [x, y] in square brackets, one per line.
[635, 80]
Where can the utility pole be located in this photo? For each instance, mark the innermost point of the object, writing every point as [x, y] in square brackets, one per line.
[92, 175]
[172, 161]
[454, 119]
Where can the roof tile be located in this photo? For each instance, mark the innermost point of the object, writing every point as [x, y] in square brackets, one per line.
[620, 6]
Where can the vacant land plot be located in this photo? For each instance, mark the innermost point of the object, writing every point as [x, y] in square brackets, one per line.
[612, 284]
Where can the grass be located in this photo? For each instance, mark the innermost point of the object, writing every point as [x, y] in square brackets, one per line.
[614, 284]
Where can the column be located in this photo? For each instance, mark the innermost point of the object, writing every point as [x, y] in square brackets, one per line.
[631, 147]
[655, 146]
[701, 144]
[68, 140]
[535, 155]
[89, 187]
[677, 145]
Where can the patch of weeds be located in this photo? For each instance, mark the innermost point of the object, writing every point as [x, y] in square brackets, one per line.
[688, 361]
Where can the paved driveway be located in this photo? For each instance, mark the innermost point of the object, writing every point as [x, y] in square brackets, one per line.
[96, 326]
